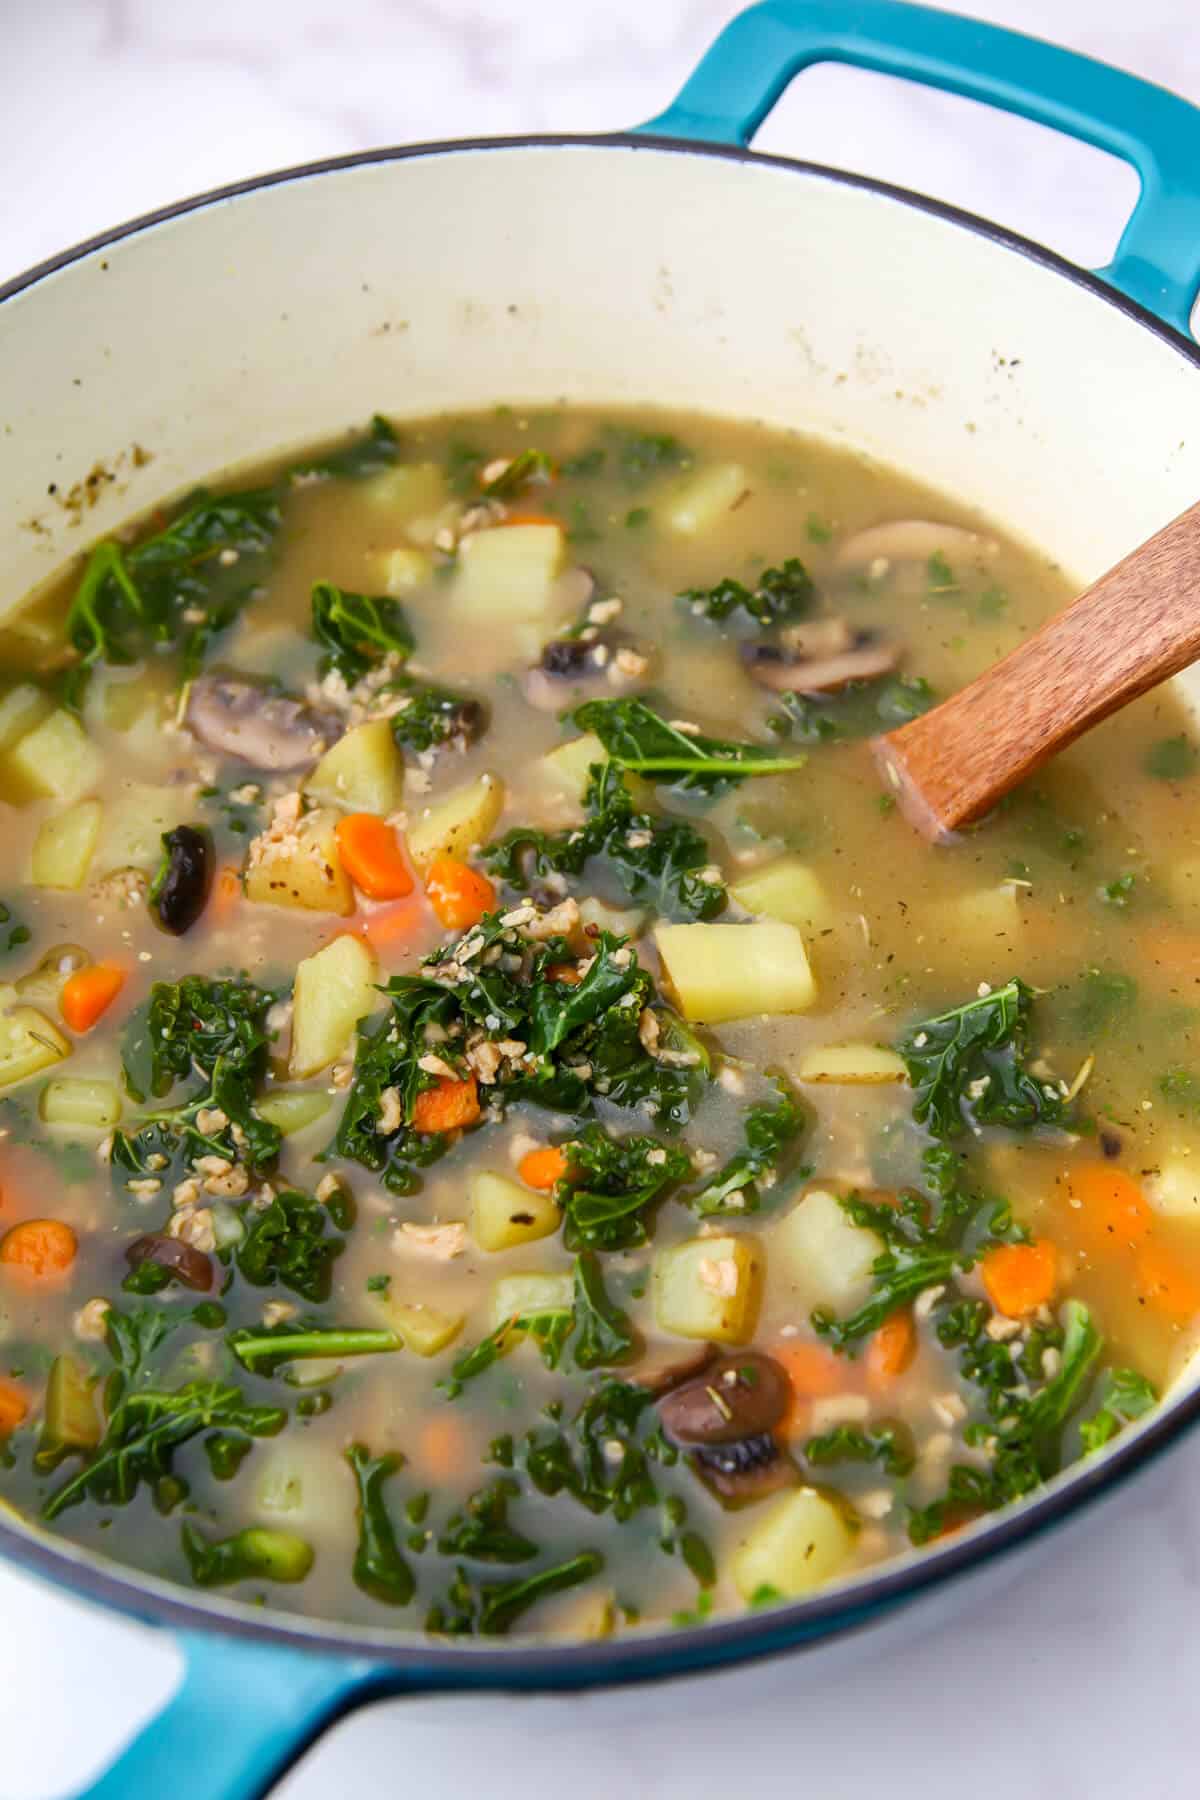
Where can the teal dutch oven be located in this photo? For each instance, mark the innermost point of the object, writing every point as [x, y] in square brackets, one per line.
[668, 265]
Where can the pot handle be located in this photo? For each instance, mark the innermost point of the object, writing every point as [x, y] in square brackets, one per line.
[242, 1715]
[743, 74]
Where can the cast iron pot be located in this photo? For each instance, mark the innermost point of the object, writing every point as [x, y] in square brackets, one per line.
[671, 266]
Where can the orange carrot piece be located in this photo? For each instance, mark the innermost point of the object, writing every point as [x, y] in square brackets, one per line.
[89, 993]
[391, 927]
[814, 1373]
[13, 1407]
[226, 892]
[891, 1349]
[1167, 1285]
[1111, 1208]
[372, 857]
[448, 1106]
[458, 894]
[40, 1249]
[1020, 1277]
[529, 517]
[543, 1168]
[444, 1447]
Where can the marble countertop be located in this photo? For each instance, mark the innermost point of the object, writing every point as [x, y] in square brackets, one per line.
[1071, 1675]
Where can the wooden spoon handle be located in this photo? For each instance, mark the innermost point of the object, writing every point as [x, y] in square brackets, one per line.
[1133, 628]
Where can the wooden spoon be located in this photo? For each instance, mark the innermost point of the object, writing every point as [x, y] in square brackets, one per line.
[1133, 628]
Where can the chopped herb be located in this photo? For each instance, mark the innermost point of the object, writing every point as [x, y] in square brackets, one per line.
[819, 530]
[1118, 893]
[641, 454]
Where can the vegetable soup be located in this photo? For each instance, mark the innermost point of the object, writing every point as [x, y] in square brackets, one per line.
[503, 1125]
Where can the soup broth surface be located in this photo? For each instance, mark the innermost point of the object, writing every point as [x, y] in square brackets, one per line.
[504, 1126]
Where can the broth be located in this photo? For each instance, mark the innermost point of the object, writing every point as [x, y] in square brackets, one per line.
[854, 1181]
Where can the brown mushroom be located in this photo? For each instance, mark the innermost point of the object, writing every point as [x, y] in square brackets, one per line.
[747, 1470]
[257, 725]
[732, 1398]
[787, 669]
[913, 541]
[184, 1261]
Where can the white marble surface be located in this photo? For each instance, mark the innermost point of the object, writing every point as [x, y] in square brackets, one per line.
[1074, 1676]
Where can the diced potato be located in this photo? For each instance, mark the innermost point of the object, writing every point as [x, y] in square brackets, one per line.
[23, 707]
[292, 1111]
[28, 1043]
[63, 847]
[625, 921]
[723, 972]
[992, 912]
[362, 772]
[55, 761]
[80, 1101]
[425, 1329]
[43, 985]
[854, 1065]
[304, 870]
[1174, 1189]
[291, 1480]
[700, 502]
[453, 825]
[508, 574]
[795, 1545]
[786, 889]
[521, 1296]
[72, 1419]
[504, 1214]
[407, 490]
[335, 988]
[405, 569]
[134, 825]
[566, 766]
[828, 1258]
[709, 1287]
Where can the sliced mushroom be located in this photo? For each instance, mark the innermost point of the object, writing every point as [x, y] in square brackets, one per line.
[783, 670]
[733, 1398]
[746, 1470]
[258, 726]
[184, 1261]
[604, 662]
[913, 540]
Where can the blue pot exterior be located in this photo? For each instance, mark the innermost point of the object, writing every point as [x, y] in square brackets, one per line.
[274, 1686]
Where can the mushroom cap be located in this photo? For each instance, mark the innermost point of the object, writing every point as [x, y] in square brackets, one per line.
[260, 727]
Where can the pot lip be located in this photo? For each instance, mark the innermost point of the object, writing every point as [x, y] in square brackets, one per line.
[656, 1653]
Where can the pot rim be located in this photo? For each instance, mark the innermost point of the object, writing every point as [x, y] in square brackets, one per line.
[648, 1651]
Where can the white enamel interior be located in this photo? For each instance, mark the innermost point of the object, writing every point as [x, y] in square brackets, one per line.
[596, 273]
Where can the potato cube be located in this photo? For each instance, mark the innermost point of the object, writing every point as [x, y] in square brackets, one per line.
[362, 772]
[135, 823]
[405, 569]
[702, 501]
[794, 1546]
[723, 972]
[335, 988]
[293, 1109]
[407, 491]
[461, 819]
[709, 1287]
[504, 1214]
[566, 767]
[55, 761]
[785, 889]
[28, 1044]
[77, 1101]
[827, 1257]
[508, 574]
[63, 847]
[853, 1065]
[524, 1296]
[23, 707]
[302, 869]
[425, 1329]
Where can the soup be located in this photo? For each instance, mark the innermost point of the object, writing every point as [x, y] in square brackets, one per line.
[504, 1126]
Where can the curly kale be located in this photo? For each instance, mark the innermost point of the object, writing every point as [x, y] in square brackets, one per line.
[433, 717]
[888, 1443]
[482, 1529]
[287, 1244]
[637, 739]
[968, 1066]
[379, 1568]
[860, 709]
[368, 453]
[736, 1188]
[611, 1184]
[356, 631]
[181, 587]
[491, 1607]
[259, 1553]
[1124, 1396]
[779, 597]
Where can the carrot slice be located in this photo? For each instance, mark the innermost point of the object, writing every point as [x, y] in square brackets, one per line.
[458, 894]
[40, 1249]
[1167, 1285]
[13, 1407]
[226, 892]
[392, 926]
[89, 993]
[1111, 1208]
[891, 1349]
[543, 1168]
[1020, 1277]
[372, 857]
[444, 1447]
[448, 1106]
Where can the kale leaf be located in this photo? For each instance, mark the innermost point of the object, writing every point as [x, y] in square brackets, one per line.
[860, 709]
[489, 1609]
[432, 716]
[263, 1349]
[779, 597]
[286, 1243]
[357, 630]
[640, 740]
[182, 586]
[887, 1442]
[379, 1569]
[610, 1185]
[1124, 1396]
[369, 453]
[736, 1188]
[482, 1529]
[603, 1333]
[522, 471]
[968, 1066]
[259, 1553]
